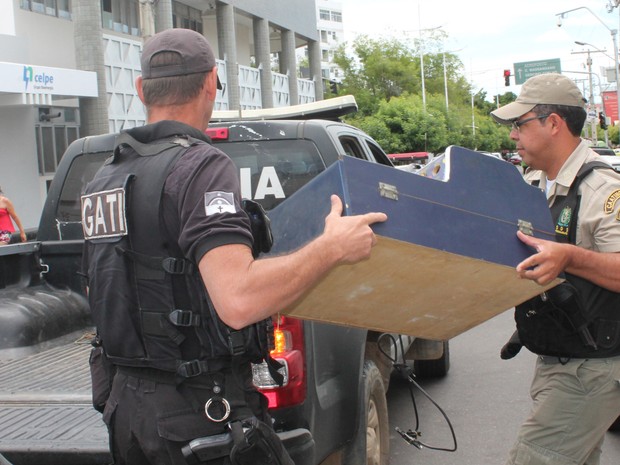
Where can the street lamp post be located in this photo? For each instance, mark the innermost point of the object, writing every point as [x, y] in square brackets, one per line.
[445, 74]
[420, 30]
[591, 100]
[445, 80]
[614, 37]
[421, 58]
[590, 73]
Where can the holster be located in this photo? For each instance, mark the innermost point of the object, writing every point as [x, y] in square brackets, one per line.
[261, 227]
[250, 442]
[565, 297]
[255, 443]
[556, 324]
[102, 373]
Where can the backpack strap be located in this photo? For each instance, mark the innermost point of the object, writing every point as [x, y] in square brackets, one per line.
[150, 258]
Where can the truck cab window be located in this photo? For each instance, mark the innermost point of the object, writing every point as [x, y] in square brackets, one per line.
[352, 147]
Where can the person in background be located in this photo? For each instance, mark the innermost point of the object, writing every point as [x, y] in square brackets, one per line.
[7, 213]
[574, 328]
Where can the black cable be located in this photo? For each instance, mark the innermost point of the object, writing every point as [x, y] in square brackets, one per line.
[412, 436]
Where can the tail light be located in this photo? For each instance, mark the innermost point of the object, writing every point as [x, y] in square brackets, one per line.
[289, 351]
[217, 133]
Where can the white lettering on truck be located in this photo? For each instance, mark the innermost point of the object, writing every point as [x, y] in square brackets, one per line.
[268, 184]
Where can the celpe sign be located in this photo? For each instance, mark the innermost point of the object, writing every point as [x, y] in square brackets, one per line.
[18, 78]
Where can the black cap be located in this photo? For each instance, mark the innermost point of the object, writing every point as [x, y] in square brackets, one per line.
[193, 48]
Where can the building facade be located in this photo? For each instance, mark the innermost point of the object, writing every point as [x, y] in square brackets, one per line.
[67, 70]
[331, 37]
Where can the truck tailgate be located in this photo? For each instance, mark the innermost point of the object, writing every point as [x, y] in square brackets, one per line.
[46, 415]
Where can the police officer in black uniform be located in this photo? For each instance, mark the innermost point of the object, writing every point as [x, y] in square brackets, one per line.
[180, 303]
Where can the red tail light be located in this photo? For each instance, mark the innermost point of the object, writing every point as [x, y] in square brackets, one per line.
[217, 133]
[289, 351]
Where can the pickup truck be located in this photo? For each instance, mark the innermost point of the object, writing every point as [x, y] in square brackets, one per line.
[337, 376]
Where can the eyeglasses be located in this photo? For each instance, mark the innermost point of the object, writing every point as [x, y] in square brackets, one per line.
[516, 125]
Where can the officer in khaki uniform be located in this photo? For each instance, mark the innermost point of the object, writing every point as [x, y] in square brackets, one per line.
[573, 328]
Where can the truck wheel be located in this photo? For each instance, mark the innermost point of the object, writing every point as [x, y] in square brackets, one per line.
[438, 368]
[371, 445]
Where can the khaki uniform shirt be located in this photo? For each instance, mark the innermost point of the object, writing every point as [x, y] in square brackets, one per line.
[598, 222]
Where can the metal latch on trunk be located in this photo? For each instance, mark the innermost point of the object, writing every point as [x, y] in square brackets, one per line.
[525, 227]
[43, 268]
[388, 191]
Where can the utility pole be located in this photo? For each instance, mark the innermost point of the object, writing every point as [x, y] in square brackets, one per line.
[591, 106]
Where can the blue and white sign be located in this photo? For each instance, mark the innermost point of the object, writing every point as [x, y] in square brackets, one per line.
[18, 78]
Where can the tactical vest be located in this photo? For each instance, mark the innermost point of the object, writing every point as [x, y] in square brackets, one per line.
[576, 319]
[149, 302]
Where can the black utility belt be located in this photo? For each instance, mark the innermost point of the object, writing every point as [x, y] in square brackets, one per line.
[553, 359]
[169, 377]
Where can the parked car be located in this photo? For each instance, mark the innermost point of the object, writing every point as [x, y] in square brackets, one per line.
[604, 151]
[515, 159]
[613, 160]
[493, 154]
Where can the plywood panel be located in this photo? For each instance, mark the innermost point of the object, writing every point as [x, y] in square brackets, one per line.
[411, 289]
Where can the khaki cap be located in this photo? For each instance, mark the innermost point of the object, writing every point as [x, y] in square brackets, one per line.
[543, 89]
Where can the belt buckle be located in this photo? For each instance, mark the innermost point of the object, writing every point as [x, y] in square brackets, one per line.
[222, 401]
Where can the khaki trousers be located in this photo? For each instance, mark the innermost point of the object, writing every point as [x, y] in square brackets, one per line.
[574, 405]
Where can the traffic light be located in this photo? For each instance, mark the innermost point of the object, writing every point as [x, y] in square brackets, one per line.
[602, 120]
[506, 77]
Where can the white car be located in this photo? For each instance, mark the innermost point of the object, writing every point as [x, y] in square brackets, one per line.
[493, 154]
[613, 160]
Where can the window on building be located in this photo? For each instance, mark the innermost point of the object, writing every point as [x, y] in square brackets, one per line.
[53, 137]
[336, 16]
[323, 36]
[121, 16]
[324, 15]
[186, 17]
[58, 8]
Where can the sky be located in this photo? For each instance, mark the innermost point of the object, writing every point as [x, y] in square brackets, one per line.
[489, 36]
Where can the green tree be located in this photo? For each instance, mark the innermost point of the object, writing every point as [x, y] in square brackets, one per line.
[378, 70]
[384, 75]
[404, 126]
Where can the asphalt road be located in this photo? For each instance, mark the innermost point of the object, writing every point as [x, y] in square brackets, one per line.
[485, 398]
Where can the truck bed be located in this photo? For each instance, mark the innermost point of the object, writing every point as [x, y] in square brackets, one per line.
[46, 415]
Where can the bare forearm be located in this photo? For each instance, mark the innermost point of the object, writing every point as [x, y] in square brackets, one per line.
[19, 225]
[274, 284]
[603, 269]
[245, 290]
[267, 286]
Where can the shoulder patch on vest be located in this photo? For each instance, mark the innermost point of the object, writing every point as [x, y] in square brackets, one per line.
[610, 203]
[103, 214]
[219, 202]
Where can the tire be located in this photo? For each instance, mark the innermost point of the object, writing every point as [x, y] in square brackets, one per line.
[371, 446]
[427, 369]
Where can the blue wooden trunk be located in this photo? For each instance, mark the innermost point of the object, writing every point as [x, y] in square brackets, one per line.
[446, 256]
